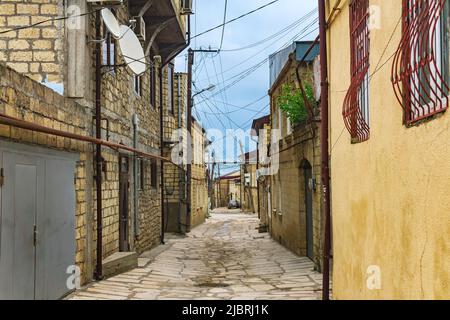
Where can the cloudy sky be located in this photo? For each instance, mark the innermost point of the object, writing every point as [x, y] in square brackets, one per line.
[241, 74]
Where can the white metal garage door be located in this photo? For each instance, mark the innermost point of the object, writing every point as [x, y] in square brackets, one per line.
[37, 222]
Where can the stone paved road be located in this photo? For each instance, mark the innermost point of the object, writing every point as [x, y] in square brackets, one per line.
[225, 258]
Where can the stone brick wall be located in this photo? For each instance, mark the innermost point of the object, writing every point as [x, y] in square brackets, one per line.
[249, 193]
[287, 221]
[23, 98]
[38, 51]
[176, 200]
[119, 104]
[172, 174]
[199, 192]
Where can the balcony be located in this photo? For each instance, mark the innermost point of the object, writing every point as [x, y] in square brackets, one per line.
[165, 26]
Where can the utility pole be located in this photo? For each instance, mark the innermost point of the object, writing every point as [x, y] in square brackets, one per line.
[191, 54]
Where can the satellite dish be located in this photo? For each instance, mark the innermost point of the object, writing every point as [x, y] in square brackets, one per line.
[132, 51]
[111, 22]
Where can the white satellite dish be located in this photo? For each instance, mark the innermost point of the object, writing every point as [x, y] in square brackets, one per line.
[132, 51]
[111, 22]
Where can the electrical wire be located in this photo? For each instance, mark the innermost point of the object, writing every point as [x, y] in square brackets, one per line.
[49, 20]
[244, 74]
[286, 29]
[224, 20]
[234, 19]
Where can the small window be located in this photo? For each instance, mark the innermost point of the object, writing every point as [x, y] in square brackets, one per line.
[109, 51]
[170, 82]
[137, 84]
[356, 111]
[140, 174]
[154, 174]
[421, 75]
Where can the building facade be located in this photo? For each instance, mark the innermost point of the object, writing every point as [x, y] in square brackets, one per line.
[227, 187]
[260, 132]
[295, 219]
[199, 182]
[249, 185]
[49, 80]
[389, 143]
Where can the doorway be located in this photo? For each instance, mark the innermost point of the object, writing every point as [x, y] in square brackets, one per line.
[37, 222]
[124, 185]
[307, 177]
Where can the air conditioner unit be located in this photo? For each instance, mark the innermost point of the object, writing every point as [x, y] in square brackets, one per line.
[140, 28]
[186, 7]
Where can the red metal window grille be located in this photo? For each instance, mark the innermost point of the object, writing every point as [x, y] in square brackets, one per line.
[356, 104]
[420, 70]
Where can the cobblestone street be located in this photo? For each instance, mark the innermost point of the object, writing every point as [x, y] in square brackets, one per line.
[225, 258]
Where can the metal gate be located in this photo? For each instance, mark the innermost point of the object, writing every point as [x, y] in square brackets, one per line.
[37, 222]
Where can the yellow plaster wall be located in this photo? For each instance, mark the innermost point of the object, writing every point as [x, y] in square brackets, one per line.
[391, 194]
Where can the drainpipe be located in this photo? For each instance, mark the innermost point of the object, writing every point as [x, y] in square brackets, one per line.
[161, 141]
[324, 150]
[180, 170]
[98, 153]
[135, 174]
[189, 129]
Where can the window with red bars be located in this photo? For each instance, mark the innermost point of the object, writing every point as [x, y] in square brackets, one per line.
[356, 104]
[420, 70]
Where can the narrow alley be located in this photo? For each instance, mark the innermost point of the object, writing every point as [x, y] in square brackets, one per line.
[224, 258]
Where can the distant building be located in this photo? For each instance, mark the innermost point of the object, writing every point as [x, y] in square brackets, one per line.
[249, 190]
[294, 215]
[226, 188]
[260, 131]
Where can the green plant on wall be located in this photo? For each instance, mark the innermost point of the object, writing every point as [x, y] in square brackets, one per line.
[292, 103]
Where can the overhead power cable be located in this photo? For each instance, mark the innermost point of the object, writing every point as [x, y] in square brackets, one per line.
[281, 32]
[49, 20]
[234, 19]
[224, 20]
[242, 75]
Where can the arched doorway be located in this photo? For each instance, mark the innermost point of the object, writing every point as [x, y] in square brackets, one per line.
[308, 194]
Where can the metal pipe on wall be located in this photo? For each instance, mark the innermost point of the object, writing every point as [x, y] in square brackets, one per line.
[180, 171]
[189, 127]
[161, 127]
[135, 175]
[324, 150]
[98, 152]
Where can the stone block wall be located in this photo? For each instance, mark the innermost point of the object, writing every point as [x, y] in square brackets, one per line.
[176, 200]
[23, 98]
[31, 51]
[287, 219]
[199, 192]
[38, 51]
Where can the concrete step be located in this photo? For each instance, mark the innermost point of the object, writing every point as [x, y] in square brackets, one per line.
[119, 262]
